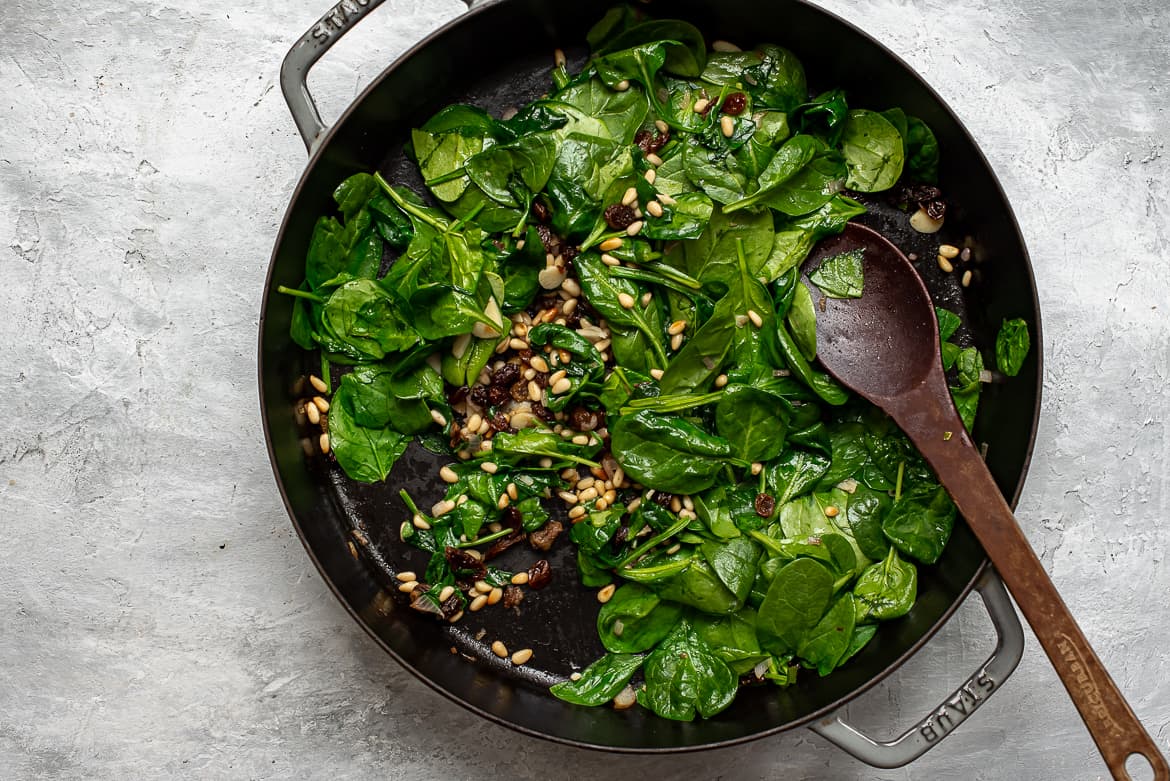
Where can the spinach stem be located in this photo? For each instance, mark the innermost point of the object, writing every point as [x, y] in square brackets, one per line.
[481, 540]
[898, 483]
[654, 541]
[325, 373]
[412, 209]
[410, 505]
[288, 291]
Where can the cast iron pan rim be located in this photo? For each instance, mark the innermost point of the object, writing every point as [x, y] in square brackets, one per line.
[469, 17]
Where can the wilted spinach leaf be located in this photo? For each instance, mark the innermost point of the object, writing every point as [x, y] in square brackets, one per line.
[1011, 346]
[841, 276]
[600, 682]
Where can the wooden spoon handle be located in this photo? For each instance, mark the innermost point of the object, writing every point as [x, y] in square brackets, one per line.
[1112, 723]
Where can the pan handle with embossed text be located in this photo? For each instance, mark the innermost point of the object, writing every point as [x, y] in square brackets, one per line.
[956, 708]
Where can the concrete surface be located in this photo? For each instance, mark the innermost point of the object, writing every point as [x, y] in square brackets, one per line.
[157, 616]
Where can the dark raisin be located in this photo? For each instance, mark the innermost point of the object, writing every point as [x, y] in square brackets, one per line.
[512, 518]
[524, 355]
[519, 390]
[452, 606]
[506, 375]
[620, 217]
[540, 211]
[662, 499]
[765, 504]
[456, 395]
[650, 141]
[547, 238]
[583, 419]
[935, 209]
[568, 252]
[542, 412]
[479, 395]
[539, 574]
[497, 395]
[513, 596]
[461, 561]
[734, 104]
[501, 545]
[500, 422]
[543, 538]
[621, 535]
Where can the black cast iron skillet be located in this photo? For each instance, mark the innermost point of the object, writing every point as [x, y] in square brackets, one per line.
[496, 56]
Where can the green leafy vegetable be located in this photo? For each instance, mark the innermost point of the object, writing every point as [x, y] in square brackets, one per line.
[600, 682]
[841, 276]
[1011, 346]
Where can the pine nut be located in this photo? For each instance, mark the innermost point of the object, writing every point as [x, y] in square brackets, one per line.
[831, 511]
[630, 197]
[634, 227]
[499, 649]
[495, 595]
[571, 287]
[585, 482]
[966, 281]
[482, 586]
[651, 175]
[438, 418]
[421, 522]
[610, 496]
[609, 245]
[653, 160]
[561, 386]
[490, 467]
[945, 264]
[727, 125]
[455, 618]
[757, 467]
[321, 404]
[408, 587]
[538, 363]
[626, 300]
[581, 439]
[606, 594]
[688, 502]
[622, 85]
[657, 373]
[520, 578]
[600, 505]
[534, 390]
[721, 380]
[754, 316]
[503, 502]
[313, 413]
[610, 260]
[587, 495]
[701, 105]
[601, 345]
[924, 223]
[677, 327]
[619, 477]
[318, 383]
[948, 251]
[567, 497]
[675, 504]
[478, 603]
[323, 443]
[647, 297]
[576, 512]
[676, 342]
[406, 576]
[559, 58]
[654, 208]
[666, 200]
[520, 657]
[518, 344]
[662, 126]
[446, 593]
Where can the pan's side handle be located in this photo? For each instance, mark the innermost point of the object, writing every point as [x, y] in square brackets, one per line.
[955, 709]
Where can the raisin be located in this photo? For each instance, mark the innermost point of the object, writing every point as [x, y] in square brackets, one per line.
[506, 375]
[620, 217]
[512, 518]
[456, 395]
[662, 499]
[547, 238]
[765, 504]
[519, 390]
[734, 104]
[621, 535]
[513, 596]
[540, 211]
[650, 141]
[541, 411]
[479, 395]
[539, 575]
[497, 395]
[584, 419]
[542, 539]
[460, 561]
[501, 545]
[500, 422]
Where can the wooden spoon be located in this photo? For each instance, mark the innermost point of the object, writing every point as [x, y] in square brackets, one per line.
[885, 346]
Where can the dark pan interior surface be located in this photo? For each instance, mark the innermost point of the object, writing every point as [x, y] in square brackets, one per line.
[499, 56]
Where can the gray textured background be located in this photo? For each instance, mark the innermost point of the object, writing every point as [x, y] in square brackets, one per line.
[157, 615]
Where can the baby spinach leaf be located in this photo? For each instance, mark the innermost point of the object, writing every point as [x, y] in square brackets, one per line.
[861, 636]
[948, 323]
[600, 682]
[615, 21]
[1011, 346]
[819, 382]
[841, 276]
[363, 316]
[873, 152]
[825, 644]
[586, 168]
[802, 319]
[635, 619]
[366, 454]
[667, 453]
[919, 524]
[773, 76]
[684, 676]
[604, 291]
[734, 562]
[753, 422]
[712, 508]
[795, 236]
[460, 118]
[687, 54]
[441, 159]
[717, 176]
[712, 258]
[732, 638]
[823, 116]
[620, 113]
[523, 166]
[865, 512]
[794, 473]
[886, 589]
[795, 602]
[686, 218]
[921, 151]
